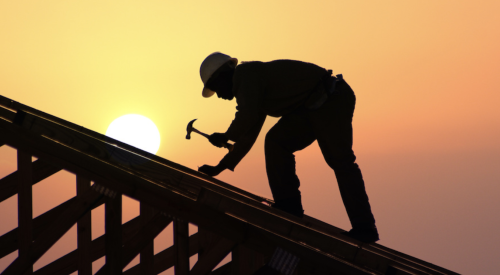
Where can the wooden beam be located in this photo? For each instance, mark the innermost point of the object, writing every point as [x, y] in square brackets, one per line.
[53, 233]
[15, 107]
[7, 114]
[284, 230]
[147, 253]
[97, 148]
[226, 269]
[69, 262]
[31, 124]
[207, 240]
[113, 235]
[245, 261]
[171, 202]
[25, 207]
[173, 199]
[309, 256]
[84, 231]
[124, 156]
[335, 245]
[181, 244]
[166, 259]
[146, 235]
[243, 194]
[9, 241]
[213, 257]
[403, 261]
[41, 170]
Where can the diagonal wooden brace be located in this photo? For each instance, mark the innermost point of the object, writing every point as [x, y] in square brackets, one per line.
[146, 235]
[52, 234]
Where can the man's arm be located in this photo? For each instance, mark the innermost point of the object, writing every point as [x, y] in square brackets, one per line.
[243, 123]
[249, 88]
[241, 148]
[248, 120]
[244, 144]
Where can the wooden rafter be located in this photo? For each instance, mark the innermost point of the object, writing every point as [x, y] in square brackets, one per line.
[228, 219]
[141, 189]
[7, 105]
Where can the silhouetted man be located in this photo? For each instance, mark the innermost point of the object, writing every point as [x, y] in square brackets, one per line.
[313, 105]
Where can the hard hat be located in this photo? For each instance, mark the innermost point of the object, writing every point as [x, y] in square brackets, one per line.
[213, 62]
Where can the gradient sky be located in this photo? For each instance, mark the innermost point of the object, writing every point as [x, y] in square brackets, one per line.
[426, 126]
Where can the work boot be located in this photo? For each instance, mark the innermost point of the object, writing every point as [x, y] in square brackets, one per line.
[363, 233]
[290, 205]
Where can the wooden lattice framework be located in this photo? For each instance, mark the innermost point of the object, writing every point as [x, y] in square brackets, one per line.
[229, 220]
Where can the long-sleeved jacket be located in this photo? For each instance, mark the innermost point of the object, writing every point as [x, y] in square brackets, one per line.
[266, 88]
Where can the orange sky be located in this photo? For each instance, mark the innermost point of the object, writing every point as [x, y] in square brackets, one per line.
[426, 125]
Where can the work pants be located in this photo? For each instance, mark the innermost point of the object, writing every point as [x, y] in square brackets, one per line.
[331, 126]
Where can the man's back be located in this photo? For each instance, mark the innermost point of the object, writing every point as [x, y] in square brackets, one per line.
[275, 87]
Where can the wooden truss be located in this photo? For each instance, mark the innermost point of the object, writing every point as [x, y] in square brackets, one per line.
[230, 220]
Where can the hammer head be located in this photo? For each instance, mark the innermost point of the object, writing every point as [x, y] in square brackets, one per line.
[190, 128]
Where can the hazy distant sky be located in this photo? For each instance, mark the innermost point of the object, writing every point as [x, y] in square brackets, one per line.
[425, 73]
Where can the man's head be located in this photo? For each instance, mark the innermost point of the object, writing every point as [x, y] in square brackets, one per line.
[216, 73]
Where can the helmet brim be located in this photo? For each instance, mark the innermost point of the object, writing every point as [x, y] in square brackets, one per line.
[207, 92]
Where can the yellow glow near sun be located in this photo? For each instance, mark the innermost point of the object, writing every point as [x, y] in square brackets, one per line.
[136, 130]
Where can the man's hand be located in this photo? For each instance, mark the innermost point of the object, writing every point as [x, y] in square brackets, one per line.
[218, 139]
[212, 170]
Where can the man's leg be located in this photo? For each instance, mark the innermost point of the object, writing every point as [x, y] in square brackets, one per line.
[332, 125]
[292, 133]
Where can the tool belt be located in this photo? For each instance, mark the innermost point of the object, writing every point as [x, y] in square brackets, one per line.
[326, 88]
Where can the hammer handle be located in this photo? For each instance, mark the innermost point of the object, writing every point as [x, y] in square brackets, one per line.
[226, 145]
[201, 133]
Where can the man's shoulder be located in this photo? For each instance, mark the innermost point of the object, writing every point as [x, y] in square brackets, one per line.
[291, 63]
[275, 63]
[277, 69]
[247, 65]
[248, 69]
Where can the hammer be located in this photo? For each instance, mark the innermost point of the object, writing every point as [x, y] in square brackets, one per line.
[190, 129]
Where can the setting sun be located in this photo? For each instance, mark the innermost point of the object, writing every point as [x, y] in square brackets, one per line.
[136, 130]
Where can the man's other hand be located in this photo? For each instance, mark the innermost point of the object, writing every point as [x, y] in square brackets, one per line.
[218, 139]
[211, 170]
